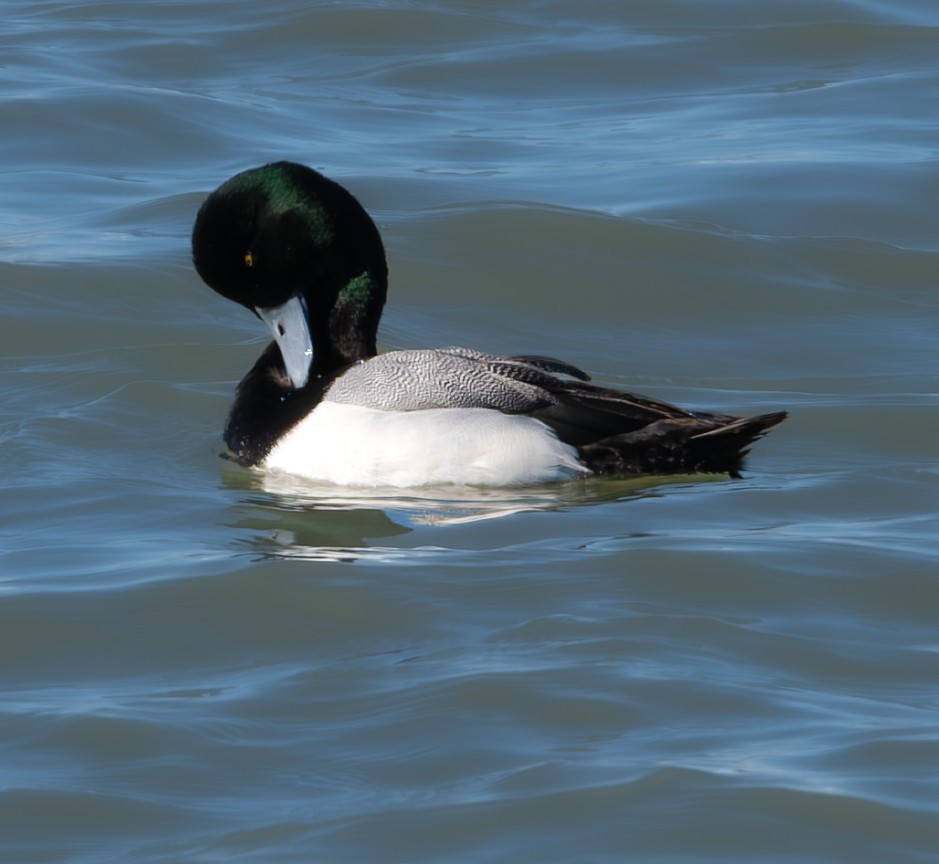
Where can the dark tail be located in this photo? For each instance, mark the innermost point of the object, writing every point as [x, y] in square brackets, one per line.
[683, 445]
[727, 446]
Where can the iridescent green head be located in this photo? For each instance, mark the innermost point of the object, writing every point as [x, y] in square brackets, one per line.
[284, 233]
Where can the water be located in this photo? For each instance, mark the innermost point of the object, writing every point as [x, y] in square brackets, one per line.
[729, 205]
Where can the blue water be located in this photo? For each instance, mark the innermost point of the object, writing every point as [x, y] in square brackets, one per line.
[729, 205]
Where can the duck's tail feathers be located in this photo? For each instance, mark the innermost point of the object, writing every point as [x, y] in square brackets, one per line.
[681, 445]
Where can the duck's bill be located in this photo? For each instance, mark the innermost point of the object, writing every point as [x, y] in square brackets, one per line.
[288, 326]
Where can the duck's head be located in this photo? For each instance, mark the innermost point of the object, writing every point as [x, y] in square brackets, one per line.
[299, 251]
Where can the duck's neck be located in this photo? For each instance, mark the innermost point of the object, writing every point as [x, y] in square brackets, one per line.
[348, 332]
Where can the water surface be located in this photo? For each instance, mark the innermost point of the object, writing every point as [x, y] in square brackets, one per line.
[728, 205]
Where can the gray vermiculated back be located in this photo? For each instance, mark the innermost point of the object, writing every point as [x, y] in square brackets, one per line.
[442, 378]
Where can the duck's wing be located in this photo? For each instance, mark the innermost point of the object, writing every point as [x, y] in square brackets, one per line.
[580, 412]
[625, 433]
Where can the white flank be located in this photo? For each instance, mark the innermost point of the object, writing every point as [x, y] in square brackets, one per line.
[354, 446]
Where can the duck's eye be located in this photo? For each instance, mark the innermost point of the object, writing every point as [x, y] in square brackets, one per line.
[249, 259]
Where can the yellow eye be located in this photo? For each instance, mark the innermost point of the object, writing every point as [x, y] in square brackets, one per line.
[249, 259]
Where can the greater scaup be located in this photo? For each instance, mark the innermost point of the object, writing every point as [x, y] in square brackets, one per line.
[299, 251]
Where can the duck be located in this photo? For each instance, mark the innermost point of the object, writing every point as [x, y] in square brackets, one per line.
[322, 404]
